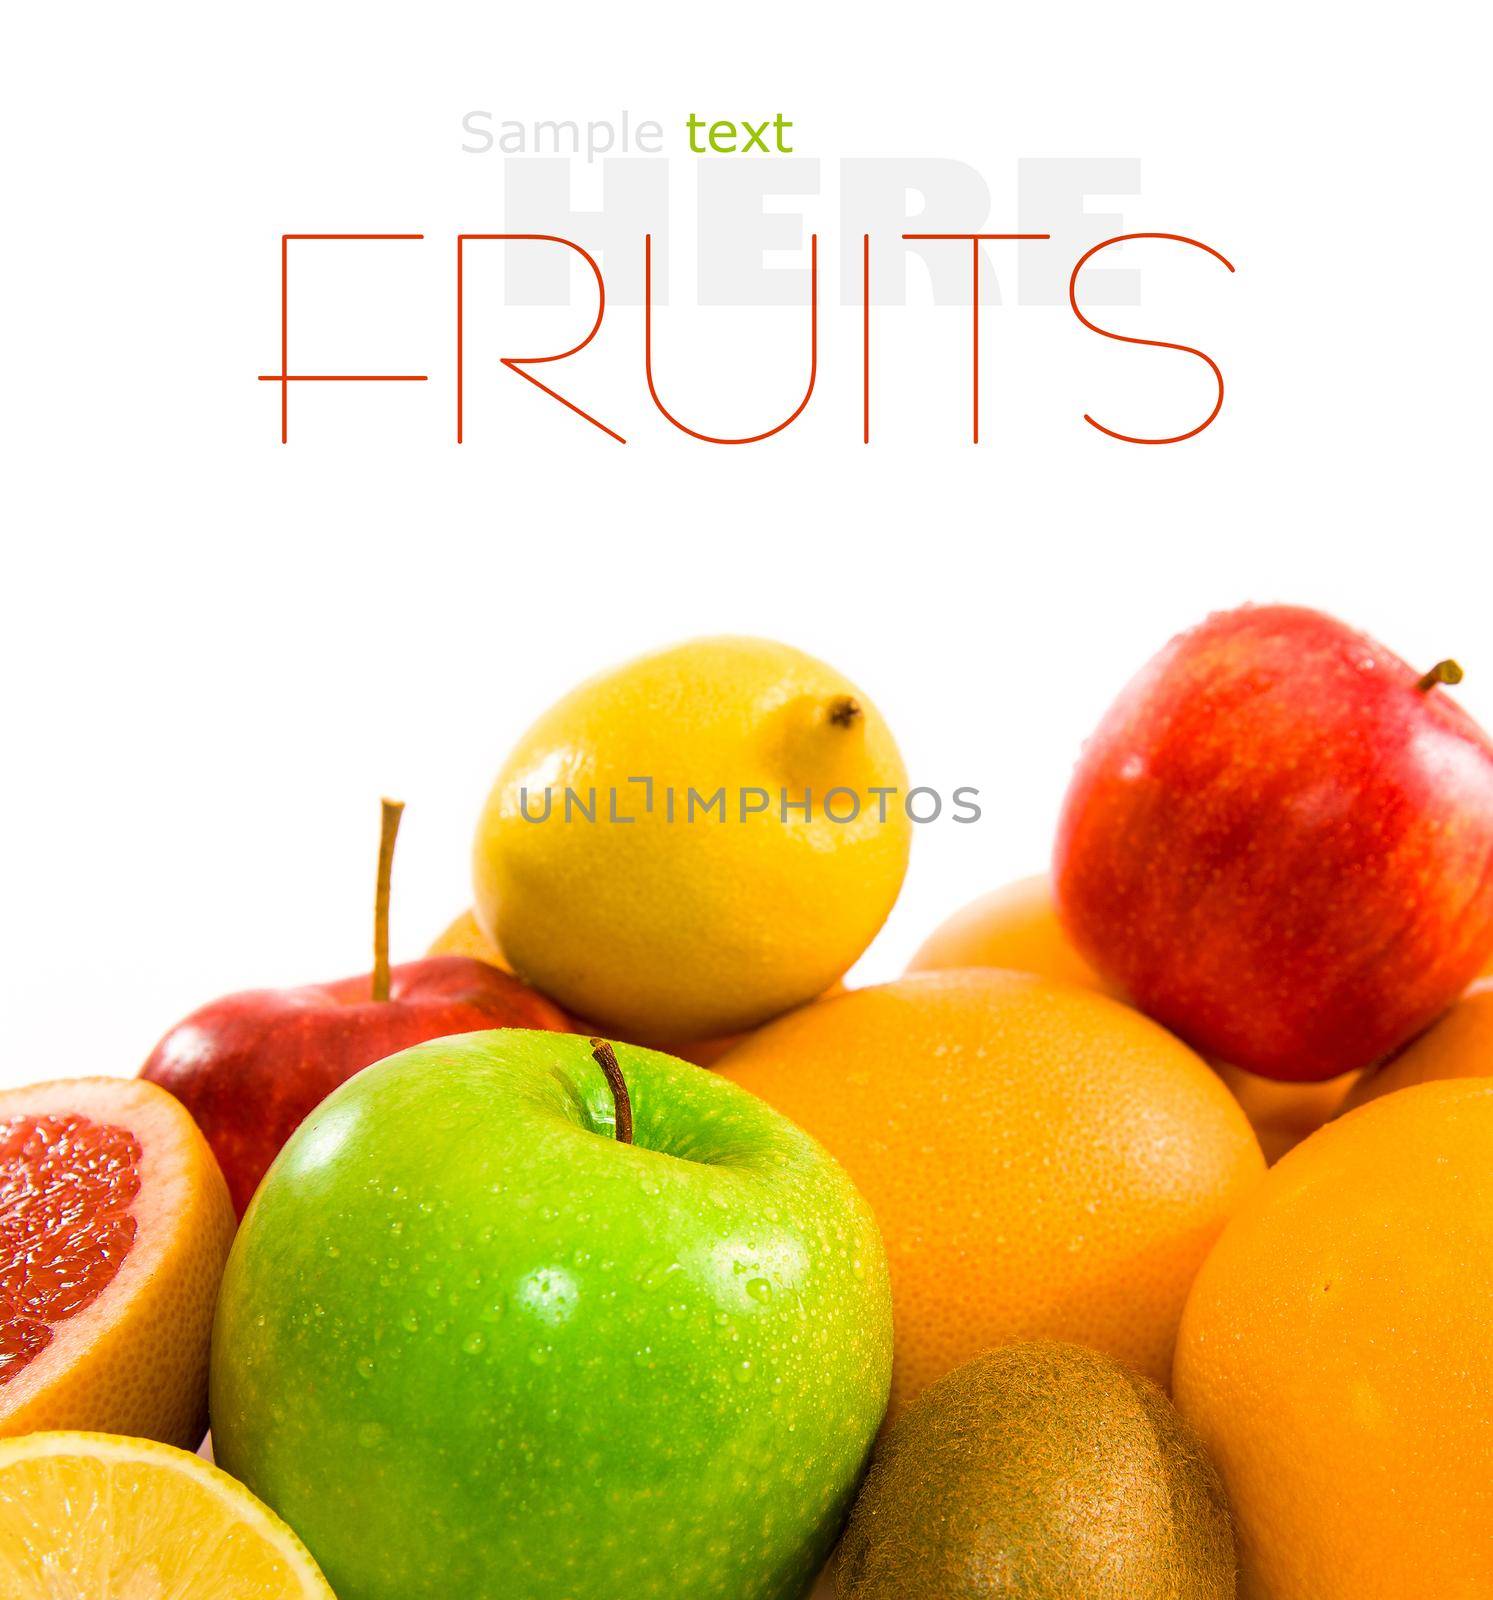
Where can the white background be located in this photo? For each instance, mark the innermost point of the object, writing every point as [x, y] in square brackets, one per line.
[217, 652]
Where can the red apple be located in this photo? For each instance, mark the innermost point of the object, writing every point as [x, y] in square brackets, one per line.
[1279, 843]
[251, 1066]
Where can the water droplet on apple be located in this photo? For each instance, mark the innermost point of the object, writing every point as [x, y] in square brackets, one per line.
[365, 1366]
[540, 1353]
[760, 1289]
[657, 1276]
[493, 1310]
[744, 1372]
[474, 1344]
[410, 1322]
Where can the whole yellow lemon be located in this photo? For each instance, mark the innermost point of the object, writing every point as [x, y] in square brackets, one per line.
[694, 842]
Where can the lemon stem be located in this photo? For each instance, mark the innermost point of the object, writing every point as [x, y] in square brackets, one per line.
[393, 810]
[606, 1059]
[1443, 672]
[844, 711]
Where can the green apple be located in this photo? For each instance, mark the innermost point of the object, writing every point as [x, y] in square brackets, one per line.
[472, 1346]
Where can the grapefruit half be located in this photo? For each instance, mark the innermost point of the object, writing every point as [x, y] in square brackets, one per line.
[115, 1224]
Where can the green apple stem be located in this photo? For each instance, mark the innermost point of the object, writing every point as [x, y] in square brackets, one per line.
[1443, 672]
[606, 1059]
[844, 711]
[393, 810]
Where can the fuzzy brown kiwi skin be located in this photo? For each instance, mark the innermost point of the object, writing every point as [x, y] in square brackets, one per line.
[1040, 1471]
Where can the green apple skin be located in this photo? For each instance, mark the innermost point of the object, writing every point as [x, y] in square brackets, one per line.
[472, 1348]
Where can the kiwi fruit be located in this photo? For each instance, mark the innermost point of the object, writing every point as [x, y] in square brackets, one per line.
[1040, 1471]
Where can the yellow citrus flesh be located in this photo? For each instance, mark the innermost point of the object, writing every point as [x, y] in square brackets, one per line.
[93, 1516]
[698, 916]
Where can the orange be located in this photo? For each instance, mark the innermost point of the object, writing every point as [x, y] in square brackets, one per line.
[1018, 927]
[1459, 1046]
[709, 1052]
[464, 938]
[1335, 1355]
[115, 1224]
[1043, 1161]
[1015, 927]
[90, 1514]
[1283, 1114]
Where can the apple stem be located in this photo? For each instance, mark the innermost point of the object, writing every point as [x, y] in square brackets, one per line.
[1442, 672]
[392, 811]
[606, 1059]
[844, 710]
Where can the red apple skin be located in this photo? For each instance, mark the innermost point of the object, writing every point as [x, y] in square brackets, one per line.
[1280, 847]
[251, 1066]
